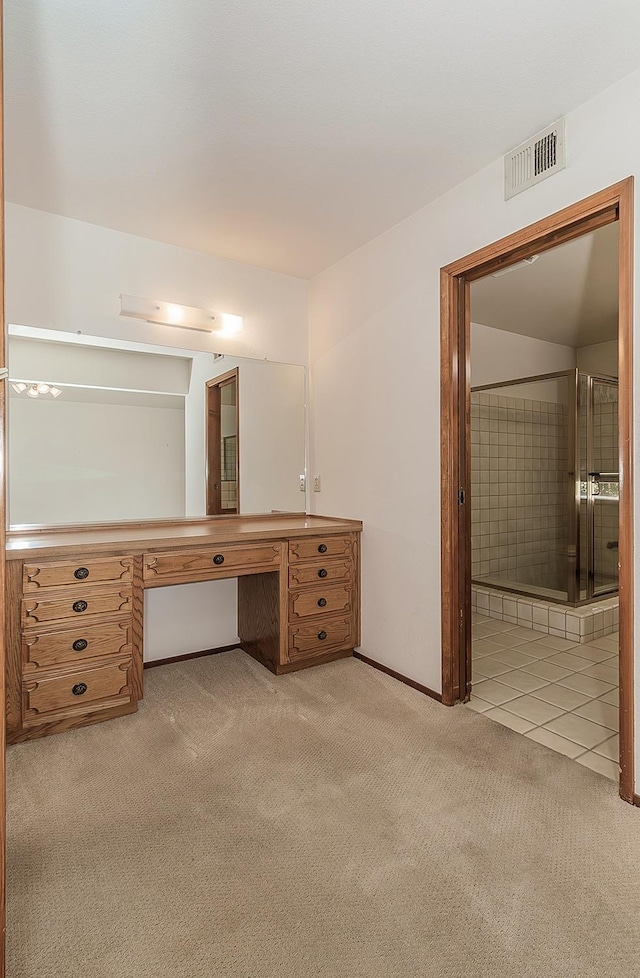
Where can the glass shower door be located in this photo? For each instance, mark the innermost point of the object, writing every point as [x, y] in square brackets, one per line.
[603, 486]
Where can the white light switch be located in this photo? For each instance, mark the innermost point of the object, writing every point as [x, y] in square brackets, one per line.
[303, 483]
[317, 483]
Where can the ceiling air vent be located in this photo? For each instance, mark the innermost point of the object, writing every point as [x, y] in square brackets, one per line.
[534, 160]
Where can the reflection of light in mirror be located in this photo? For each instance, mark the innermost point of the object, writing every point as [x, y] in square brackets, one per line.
[35, 390]
[231, 324]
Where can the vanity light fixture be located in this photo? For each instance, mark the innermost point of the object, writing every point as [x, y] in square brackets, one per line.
[184, 317]
[36, 390]
[517, 264]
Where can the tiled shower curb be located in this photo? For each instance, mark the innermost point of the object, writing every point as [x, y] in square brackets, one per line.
[576, 624]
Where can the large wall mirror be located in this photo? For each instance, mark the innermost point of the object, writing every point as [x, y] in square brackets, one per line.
[104, 430]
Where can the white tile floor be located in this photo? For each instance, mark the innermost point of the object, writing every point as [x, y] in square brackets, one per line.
[558, 693]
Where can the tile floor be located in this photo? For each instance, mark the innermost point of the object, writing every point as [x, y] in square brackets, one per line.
[556, 692]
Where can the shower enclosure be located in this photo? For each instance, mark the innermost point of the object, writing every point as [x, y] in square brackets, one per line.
[544, 486]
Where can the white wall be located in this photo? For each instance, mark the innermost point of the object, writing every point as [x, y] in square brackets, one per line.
[191, 618]
[86, 459]
[497, 355]
[64, 274]
[600, 358]
[374, 353]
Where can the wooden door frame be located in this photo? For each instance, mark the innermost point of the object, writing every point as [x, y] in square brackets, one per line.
[3, 525]
[615, 203]
[218, 382]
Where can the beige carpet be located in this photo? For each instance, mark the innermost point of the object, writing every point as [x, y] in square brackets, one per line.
[326, 824]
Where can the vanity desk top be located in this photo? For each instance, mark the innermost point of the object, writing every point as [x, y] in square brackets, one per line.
[26, 542]
[74, 599]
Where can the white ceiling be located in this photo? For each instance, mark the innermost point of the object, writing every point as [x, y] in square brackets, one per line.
[568, 296]
[285, 133]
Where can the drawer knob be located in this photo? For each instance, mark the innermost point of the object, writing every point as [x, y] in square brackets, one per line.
[80, 645]
[322, 602]
[81, 573]
[323, 572]
[79, 689]
[322, 636]
[322, 548]
[218, 559]
[80, 606]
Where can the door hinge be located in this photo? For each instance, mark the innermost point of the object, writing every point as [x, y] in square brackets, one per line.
[461, 497]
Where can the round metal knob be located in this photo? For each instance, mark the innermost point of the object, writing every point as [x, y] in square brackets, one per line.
[322, 548]
[79, 689]
[81, 573]
[322, 636]
[323, 572]
[322, 602]
[218, 559]
[80, 606]
[80, 645]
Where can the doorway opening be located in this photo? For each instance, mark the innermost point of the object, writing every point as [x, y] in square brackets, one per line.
[223, 474]
[548, 482]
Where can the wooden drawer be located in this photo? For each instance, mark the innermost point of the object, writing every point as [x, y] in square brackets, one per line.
[99, 570]
[75, 603]
[328, 546]
[319, 601]
[321, 636]
[204, 564]
[76, 691]
[42, 650]
[320, 572]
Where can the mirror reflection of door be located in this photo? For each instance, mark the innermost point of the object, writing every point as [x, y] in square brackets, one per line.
[223, 483]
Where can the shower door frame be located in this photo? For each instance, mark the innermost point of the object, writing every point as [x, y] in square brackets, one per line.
[576, 559]
[594, 594]
[613, 204]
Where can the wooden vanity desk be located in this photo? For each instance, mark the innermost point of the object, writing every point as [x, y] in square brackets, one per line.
[75, 604]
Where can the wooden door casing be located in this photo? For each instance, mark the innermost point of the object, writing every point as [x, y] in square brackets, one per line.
[615, 203]
[215, 459]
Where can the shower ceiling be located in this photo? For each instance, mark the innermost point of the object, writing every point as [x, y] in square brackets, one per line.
[568, 296]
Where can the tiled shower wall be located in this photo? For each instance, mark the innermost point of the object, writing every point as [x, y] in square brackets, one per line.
[519, 490]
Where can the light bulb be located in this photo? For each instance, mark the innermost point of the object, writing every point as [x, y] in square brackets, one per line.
[33, 391]
[231, 324]
[43, 388]
[175, 314]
